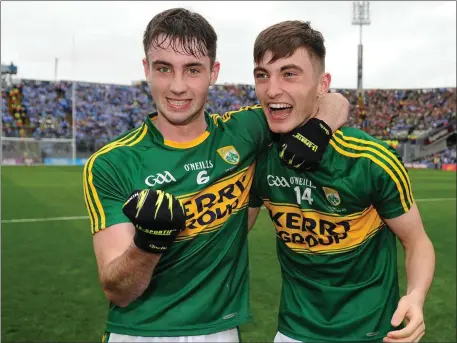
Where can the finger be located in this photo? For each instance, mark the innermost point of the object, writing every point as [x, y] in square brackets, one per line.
[419, 337]
[408, 330]
[418, 333]
[399, 314]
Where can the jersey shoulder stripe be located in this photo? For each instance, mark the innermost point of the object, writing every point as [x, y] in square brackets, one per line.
[342, 146]
[383, 151]
[93, 204]
[217, 118]
[87, 197]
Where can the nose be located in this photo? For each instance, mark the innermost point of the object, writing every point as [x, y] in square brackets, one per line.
[273, 89]
[178, 85]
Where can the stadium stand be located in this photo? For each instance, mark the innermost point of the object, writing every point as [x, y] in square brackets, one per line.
[42, 109]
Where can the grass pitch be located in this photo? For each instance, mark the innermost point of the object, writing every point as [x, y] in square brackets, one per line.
[50, 290]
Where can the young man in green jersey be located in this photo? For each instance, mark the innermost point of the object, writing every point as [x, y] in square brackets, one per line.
[168, 201]
[336, 222]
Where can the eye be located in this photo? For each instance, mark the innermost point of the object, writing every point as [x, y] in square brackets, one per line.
[164, 70]
[260, 76]
[194, 71]
[289, 74]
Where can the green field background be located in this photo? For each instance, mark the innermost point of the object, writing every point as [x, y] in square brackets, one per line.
[50, 290]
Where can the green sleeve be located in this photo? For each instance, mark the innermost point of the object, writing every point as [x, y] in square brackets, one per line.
[248, 123]
[105, 192]
[255, 196]
[254, 199]
[392, 193]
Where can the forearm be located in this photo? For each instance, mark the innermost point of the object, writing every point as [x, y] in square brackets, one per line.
[253, 212]
[420, 267]
[125, 278]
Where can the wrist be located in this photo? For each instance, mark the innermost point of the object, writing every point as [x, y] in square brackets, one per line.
[146, 244]
[417, 294]
[139, 253]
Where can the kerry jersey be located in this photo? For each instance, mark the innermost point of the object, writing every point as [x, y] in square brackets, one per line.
[200, 286]
[337, 256]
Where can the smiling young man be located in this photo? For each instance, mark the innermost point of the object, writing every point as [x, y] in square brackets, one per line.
[337, 221]
[168, 200]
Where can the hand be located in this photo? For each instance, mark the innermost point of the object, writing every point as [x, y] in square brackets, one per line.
[158, 218]
[409, 309]
[302, 148]
[333, 108]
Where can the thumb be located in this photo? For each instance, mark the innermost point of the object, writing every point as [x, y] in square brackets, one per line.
[399, 314]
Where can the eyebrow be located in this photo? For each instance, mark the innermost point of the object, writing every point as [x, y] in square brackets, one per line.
[168, 64]
[288, 66]
[257, 69]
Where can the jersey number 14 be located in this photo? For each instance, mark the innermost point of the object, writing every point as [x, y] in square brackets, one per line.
[306, 196]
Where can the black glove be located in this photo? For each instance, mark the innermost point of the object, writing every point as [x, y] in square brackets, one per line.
[302, 148]
[158, 218]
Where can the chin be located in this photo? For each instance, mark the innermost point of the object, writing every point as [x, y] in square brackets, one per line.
[281, 127]
[176, 117]
[178, 120]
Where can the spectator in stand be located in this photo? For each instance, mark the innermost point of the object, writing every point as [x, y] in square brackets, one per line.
[103, 111]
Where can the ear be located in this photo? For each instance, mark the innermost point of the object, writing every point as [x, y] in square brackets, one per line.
[147, 70]
[215, 72]
[324, 83]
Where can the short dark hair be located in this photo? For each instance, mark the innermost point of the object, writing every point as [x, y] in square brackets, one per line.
[185, 29]
[284, 38]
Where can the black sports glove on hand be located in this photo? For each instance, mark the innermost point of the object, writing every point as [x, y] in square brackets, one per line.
[158, 218]
[302, 149]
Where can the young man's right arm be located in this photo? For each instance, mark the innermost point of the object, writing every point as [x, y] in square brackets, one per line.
[126, 244]
[124, 270]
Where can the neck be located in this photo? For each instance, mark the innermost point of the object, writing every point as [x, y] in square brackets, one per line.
[312, 115]
[181, 133]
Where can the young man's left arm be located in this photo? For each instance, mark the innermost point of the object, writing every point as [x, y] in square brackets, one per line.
[393, 198]
[420, 268]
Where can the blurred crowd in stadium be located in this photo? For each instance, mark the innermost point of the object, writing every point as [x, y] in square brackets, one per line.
[43, 109]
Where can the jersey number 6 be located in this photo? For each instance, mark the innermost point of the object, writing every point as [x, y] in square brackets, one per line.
[202, 177]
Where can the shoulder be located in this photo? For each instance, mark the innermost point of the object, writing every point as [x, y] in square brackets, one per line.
[252, 113]
[355, 135]
[115, 153]
[349, 141]
[380, 157]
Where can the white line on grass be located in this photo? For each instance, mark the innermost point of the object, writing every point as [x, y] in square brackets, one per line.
[436, 199]
[32, 220]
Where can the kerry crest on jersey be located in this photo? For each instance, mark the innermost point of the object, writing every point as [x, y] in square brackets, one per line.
[229, 154]
[332, 196]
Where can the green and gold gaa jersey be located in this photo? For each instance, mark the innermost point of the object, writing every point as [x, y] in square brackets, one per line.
[200, 286]
[338, 258]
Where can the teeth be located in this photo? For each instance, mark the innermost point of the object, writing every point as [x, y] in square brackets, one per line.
[178, 102]
[278, 106]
